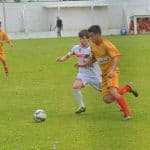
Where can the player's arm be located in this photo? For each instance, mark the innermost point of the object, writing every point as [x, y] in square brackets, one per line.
[64, 58]
[8, 40]
[10, 43]
[115, 55]
[113, 66]
[88, 62]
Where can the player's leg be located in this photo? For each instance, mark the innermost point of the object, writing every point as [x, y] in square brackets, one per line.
[121, 102]
[96, 83]
[59, 32]
[106, 84]
[123, 90]
[128, 88]
[108, 99]
[77, 85]
[111, 94]
[5, 66]
[114, 96]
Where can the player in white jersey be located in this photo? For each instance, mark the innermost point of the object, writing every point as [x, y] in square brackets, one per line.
[86, 75]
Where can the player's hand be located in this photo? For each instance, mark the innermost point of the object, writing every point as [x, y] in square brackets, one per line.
[11, 45]
[76, 65]
[59, 59]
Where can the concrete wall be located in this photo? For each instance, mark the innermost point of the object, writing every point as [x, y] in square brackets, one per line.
[21, 17]
[33, 17]
[120, 10]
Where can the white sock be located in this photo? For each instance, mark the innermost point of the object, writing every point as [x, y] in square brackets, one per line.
[79, 97]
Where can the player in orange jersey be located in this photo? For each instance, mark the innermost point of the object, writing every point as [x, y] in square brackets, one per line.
[4, 39]
[108, 56]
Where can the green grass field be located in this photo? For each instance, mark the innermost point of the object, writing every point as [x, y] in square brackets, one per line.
[37, 81]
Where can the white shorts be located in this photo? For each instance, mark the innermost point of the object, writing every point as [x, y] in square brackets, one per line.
[93, 81]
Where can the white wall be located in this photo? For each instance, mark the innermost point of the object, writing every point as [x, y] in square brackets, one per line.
[52, 14]
[22, 17]
[79, 18]
[33, 17]
[100, 16]
[1, 13]
[36, 19]
[14, 20]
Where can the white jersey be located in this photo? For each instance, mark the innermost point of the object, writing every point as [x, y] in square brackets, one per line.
[83, 54]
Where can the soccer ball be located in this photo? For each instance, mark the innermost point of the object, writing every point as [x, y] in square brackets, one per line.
[39, 115]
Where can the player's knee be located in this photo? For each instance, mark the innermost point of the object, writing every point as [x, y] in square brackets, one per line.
[108, 99]
[76, 86]
[115, 95]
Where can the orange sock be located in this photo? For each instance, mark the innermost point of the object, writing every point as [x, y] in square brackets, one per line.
[123, 105]
[125, 89]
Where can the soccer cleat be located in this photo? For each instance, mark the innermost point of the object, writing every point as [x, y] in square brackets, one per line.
[6, 72]
[6, 75]
[80, 110]
[133, 89]
[126, 118]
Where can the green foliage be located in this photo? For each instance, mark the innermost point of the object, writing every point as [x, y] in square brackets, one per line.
[37, 81]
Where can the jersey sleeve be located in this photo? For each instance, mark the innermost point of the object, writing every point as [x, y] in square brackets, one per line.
[72, 50]
[111, 49]
[93, 55]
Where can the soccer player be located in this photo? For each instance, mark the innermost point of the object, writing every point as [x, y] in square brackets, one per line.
[59, 26]
[4, 38]
[108, 56]
[86, 75]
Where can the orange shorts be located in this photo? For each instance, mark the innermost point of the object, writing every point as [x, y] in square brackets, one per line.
[108, 82]
[2, 53]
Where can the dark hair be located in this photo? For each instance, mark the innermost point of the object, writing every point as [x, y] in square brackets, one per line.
[96, 29]
[83, 33]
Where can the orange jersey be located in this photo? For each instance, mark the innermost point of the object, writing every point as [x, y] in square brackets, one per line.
[3, 38]
[104, 53]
